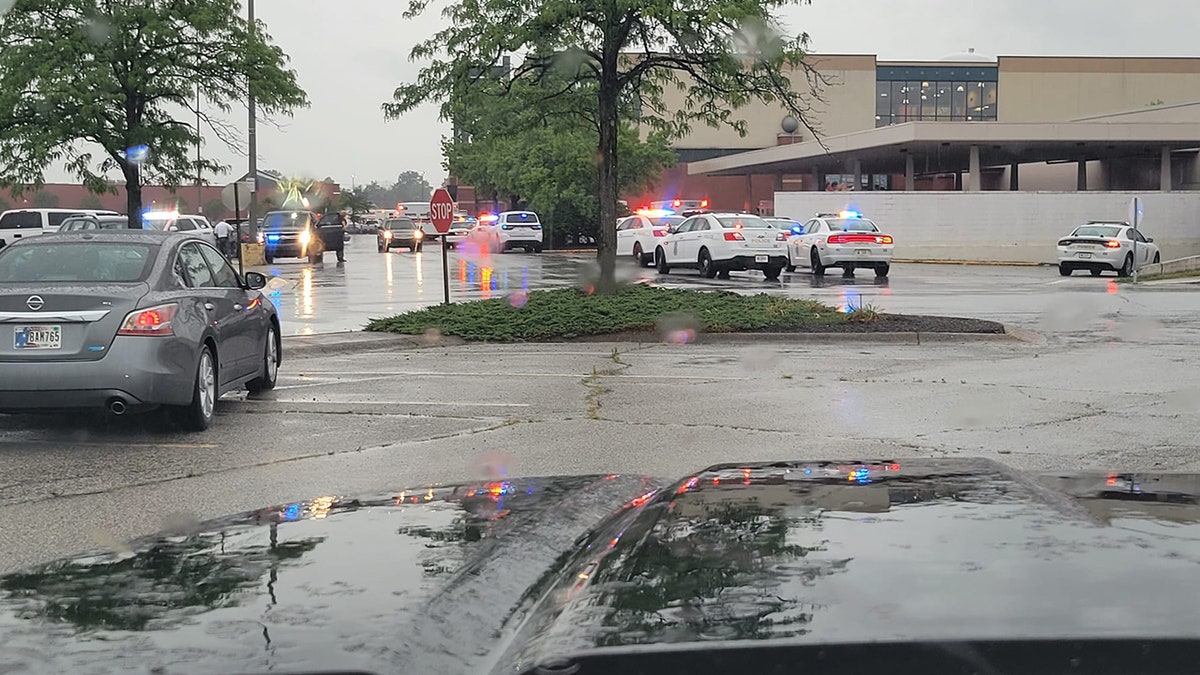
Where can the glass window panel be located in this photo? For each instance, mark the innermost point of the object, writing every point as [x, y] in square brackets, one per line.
[883, 98]
[958, 98]
[942, 94]
[989, 100]
[912, 100]
[899, 90]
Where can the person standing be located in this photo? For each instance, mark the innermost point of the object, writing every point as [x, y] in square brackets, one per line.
[223, 230]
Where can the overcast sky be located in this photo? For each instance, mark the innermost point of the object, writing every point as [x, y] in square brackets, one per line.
[351, 54]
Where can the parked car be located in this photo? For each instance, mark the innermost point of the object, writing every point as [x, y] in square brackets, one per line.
[22, 223]
[1105, 246]
[512, 229]
[715, 243]
[128, 321]
[81, 222]
[639, 235]
[296, 234]
[844, 239]
[400, 233]
[173, 221]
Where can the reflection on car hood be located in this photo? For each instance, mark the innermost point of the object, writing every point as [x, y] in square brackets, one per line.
[501, 576]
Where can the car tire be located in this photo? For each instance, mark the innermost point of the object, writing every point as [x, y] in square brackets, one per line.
[818, 269]
[379, 245]
[1127, 266]
[1065, 270]
[418, 248]
[537, 249]
[198, 415]
[790, 268]
[271, 359]
[705, 264]
[1095, 271]
[772, 272]
[637, 254]
[269, 258]
[882, 269]
[660, 262]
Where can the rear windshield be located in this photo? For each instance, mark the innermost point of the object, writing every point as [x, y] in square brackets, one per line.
[667, 221]
[852, 225]
[21, 220]
[1096, 231]
[76, 262]
[521, 218]
[401, 224]
[281, 220]
[745, 222]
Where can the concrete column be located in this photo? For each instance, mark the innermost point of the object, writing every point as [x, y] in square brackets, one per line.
[910, 173]
[1164, 180]
[1081, 176]
[779, 182]
[1014, 177]
[958, 181]
[857, 174]
[750, 205]
[975, 181]
[818, 180]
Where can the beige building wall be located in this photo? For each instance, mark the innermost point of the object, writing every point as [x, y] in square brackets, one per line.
[847, 106]
[1058, 89]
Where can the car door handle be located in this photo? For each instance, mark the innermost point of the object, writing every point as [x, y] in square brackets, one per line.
[209, 306]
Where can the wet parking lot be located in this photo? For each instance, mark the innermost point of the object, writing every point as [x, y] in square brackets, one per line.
[1110, 383]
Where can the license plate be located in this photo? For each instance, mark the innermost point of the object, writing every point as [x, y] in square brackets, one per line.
[1085, 255]
[761, 258]
[862, 251]
[37, 337]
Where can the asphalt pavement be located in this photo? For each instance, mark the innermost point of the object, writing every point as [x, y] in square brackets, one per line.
[1110, 384]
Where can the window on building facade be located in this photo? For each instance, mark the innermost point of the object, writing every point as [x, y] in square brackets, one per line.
[935, 93]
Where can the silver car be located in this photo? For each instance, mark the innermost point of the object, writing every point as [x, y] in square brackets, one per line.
[125, 321]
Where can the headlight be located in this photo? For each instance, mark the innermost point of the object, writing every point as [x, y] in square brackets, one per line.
[305, 237]
[261, 237]
[417, 234]
[387, 234]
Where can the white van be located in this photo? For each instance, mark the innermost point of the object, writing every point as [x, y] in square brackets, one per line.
[19, 223]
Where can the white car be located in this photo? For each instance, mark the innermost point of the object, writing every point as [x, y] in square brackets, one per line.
[21, 223]
[716, 243]
[173, 221]
[844, 239]
[1100, 246]
[512, 229]
[789, 227]
[460, 229]
[638, 235]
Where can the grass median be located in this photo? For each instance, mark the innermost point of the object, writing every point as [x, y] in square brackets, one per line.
[569, 313]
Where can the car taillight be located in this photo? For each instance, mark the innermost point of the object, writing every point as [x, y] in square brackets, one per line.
[836, 239]
[1064, 242]
[859, 239]
[734, 236]
[152, 321]
[885, 239]
[660, 233]
[782, 236]
[1112, 243]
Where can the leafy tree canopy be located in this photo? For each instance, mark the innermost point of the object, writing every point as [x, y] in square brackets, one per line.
[410, 186]
[115, 73]
[721, 54]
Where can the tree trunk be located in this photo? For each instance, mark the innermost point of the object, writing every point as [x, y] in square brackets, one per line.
[607, 108]
[133, 194]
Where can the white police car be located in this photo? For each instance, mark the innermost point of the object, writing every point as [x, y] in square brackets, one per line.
[844, 239]
[715, 243]
[512, 229]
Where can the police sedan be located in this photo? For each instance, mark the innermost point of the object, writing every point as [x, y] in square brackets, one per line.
[844, 239]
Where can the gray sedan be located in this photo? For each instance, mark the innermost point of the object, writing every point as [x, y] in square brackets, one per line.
[126, 321]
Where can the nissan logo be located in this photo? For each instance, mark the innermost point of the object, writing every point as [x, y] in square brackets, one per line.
[35, 302]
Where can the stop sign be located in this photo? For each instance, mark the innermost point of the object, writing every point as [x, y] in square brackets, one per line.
[441, 210]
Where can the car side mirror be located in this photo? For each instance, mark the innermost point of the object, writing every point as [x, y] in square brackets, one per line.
[1149, 240]
[255, 281]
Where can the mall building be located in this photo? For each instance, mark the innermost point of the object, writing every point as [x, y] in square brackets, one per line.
[964, 123]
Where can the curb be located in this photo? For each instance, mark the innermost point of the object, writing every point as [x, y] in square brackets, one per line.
[987, 263]
[320, 345]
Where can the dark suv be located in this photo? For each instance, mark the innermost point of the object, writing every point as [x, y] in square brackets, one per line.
[299, 234]
[399, 232]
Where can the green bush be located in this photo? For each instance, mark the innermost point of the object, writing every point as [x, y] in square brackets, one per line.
[568, 313]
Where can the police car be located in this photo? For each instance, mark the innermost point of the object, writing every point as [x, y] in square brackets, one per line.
[715, 243]
[844, 239]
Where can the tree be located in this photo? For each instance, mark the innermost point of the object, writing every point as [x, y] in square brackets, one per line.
[91, 202]
[355, 201]
[721, 53]
[411, 186]
[4, 204]
[111, 73]
[45, 200]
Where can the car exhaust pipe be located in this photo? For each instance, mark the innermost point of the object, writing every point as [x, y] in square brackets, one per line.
[117, 407]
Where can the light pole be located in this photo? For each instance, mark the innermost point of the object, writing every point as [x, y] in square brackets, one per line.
[252, 224]
[199, 177]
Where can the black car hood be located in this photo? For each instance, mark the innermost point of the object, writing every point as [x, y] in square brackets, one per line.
[503, 576]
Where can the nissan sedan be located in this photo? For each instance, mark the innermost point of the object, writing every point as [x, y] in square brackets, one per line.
[129, 321]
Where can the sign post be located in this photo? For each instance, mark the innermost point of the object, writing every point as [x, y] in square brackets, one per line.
[1135, 220]
[441, 215]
